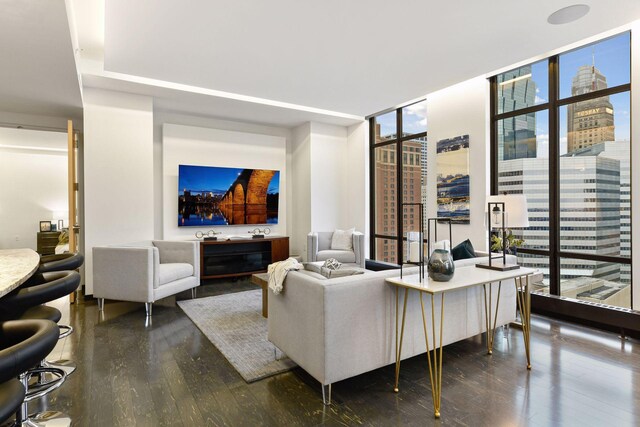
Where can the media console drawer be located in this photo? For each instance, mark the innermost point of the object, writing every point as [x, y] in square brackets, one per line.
[231, 258]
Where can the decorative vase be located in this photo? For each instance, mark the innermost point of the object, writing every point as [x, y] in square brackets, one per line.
[441, 266]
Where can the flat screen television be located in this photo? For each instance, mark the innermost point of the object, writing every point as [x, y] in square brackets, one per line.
[227, 196]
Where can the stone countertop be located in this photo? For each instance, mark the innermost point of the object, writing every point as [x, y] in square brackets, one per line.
[16, 266]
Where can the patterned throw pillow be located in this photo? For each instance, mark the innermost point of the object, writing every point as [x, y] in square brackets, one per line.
[332, 264]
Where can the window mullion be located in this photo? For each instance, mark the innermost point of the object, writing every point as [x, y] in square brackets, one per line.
[399, 172]
[554, 179]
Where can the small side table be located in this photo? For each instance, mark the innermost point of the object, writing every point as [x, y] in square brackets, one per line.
[262, 280]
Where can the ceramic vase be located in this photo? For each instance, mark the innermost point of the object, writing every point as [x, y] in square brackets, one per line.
[440, 266]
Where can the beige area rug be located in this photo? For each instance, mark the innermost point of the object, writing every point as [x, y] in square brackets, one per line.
[234, 324]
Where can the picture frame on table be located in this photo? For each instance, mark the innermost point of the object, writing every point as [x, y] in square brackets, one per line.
[45, 226]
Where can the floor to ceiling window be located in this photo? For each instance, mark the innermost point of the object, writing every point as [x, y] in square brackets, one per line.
[561, 135]
[398, 175]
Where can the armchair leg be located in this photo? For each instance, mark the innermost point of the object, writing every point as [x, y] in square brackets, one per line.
[326, 394]
[101, 304]
[148, 307]
[193, 293]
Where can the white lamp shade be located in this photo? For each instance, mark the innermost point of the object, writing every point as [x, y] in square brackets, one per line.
[515, 207]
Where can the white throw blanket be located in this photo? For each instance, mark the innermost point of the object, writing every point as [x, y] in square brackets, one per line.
[278, 272]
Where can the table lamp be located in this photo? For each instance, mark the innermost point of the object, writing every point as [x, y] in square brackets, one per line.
[505, 211]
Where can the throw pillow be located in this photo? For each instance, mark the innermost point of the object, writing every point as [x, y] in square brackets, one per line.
[314, 267]
[463, 250]
[342, 240]
[341, 272]
[332, 264]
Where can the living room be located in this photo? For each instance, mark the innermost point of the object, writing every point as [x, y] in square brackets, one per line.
[233, 214]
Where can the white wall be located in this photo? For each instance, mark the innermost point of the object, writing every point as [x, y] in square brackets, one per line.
[329, 153]
[462, 109]
[357, 187]
[189, 145]
[162, 117]
[118, 171]
[33, 173]
[300, 148]
[329, 174]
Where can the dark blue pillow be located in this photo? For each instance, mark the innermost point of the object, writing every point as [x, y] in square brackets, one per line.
[463, 250]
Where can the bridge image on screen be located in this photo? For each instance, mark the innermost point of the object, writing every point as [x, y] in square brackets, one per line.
[227, 196]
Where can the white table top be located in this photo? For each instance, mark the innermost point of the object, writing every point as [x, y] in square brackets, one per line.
[464, 277]
[16, 266]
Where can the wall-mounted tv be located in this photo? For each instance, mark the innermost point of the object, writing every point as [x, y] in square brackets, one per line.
[227, 196]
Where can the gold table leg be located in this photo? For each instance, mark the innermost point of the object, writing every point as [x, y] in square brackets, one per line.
[435, 360]
[399, 346]
[524, 305]
[490, 315]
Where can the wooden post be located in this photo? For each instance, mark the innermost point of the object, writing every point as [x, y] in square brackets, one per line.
[71, 159]
[72, 185]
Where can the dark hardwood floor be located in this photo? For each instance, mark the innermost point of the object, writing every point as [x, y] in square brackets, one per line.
[167, 373]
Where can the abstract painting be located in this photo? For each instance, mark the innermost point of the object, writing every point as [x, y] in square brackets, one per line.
[452, 166]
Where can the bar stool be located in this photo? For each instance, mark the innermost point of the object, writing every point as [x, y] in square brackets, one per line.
[60, 262]
[12, 394]
[23, 344]
[26, 303]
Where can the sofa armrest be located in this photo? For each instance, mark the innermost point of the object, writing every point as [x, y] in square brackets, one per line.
[510, 258]
[312, 247]
[296, 322]
[179, 251]
[358, 247]
[125, 273]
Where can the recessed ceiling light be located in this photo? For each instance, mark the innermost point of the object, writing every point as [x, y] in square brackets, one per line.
[568, 14]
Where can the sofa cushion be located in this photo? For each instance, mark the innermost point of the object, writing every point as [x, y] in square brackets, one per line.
[342, 256]
[170, 272]
[342, 240]
[308, 273]
[341, 272]
[314, 267]
[463, 250]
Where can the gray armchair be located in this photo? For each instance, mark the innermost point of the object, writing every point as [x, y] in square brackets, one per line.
[319, 248]
[145, 271]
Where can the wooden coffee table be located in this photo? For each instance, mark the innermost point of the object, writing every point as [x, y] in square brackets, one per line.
[262, 280]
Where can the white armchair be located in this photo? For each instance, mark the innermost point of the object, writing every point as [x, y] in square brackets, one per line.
[319, 248]
[145, 271]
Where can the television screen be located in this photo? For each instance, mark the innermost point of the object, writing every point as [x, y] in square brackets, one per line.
[227, 196]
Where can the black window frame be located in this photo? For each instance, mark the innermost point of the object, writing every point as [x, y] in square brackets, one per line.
[398, 140]
[553, 303]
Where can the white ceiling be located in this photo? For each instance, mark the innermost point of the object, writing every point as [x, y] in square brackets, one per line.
[279, 62]
[38, 73]
[353, 57]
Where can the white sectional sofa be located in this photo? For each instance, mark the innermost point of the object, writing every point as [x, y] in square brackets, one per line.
[339, 328]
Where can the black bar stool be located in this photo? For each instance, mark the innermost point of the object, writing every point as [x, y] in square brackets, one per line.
[60, 262]
[23, 343]
[26, 303]
[12, 394]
